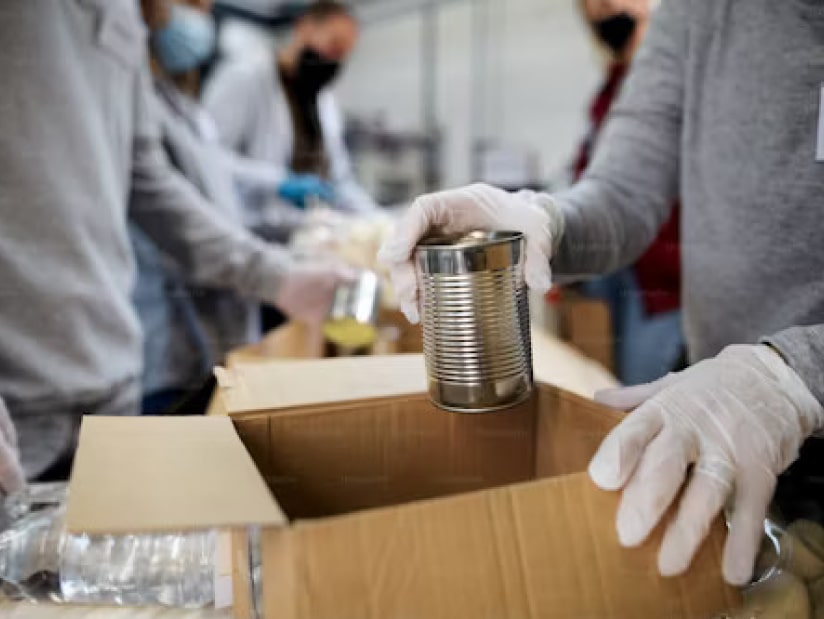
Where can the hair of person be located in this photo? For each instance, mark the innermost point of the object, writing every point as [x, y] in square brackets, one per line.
[321, 10]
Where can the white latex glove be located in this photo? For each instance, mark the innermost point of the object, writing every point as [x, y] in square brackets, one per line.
[476, 207]
[306, 292]
[12, 478]
[740, 418]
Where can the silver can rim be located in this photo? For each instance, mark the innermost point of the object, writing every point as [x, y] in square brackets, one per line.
[469, 240]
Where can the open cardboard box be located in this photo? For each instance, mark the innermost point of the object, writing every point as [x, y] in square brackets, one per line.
[387, 507]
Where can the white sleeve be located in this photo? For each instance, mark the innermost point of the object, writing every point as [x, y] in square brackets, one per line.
[228, 97]
[210, 248]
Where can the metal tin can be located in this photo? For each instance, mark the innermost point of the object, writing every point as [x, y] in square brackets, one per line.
[475, 316]
[353, 317]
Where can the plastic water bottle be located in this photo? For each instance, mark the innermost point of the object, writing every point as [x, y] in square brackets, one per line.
[30, 555]
[175, 570]
[39, 561]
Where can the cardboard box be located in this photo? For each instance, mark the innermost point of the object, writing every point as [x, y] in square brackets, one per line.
[386, 507]
[587, 325]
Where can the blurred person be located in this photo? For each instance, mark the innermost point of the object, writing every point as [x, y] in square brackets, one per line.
[280, 109]
[80, 153]
[644, 298]
[188, 329]
[721, 107]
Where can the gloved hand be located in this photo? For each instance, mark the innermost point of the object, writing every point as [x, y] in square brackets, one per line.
[12, 478]
[306, 292]
[300, 188]
[740, 418]
[476, 207]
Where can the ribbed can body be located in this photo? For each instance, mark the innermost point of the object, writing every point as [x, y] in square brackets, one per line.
[475, 316]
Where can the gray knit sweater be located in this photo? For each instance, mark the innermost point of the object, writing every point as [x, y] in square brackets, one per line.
[721, 108]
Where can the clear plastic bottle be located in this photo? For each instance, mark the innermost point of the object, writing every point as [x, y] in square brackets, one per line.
[39, 561]
[30, 555]
[175, 570]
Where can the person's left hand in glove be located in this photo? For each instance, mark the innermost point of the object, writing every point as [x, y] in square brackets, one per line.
[739, 418]
[307, 290]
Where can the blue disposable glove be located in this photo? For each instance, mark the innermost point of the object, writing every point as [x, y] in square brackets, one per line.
[300, 188]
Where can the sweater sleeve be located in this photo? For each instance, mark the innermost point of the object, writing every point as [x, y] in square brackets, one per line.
[803, 349]
[210, 248]
[614, 213]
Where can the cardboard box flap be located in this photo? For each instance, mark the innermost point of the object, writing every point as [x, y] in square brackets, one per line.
[546, 548]
[285, 384]
[164, 474]
[557, 363]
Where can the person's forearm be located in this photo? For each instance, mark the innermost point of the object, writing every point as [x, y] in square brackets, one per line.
[605, 228]
[210, 250]
[803, 350]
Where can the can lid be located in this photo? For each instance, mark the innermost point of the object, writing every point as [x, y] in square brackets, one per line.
[476, 238]
[471, 252]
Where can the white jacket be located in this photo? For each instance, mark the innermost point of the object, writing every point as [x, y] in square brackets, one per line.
[248, 103]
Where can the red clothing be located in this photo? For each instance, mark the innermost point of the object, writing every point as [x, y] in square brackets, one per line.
[658, 271]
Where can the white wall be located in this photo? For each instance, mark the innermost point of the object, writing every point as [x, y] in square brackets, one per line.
[540, 72]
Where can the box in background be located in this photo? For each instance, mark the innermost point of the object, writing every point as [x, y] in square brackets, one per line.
[586, 325]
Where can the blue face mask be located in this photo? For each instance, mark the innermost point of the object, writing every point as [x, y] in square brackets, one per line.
[186, 42]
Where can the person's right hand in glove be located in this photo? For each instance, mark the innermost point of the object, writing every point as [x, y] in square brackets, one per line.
[476, 207]
[307, 289]
[300, 189]
[739, 419]
[12, 478]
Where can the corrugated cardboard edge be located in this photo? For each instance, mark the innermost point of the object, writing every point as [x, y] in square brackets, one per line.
[283, 385]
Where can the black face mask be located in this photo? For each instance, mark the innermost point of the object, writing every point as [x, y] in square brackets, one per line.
[314, 72]
[616, 31]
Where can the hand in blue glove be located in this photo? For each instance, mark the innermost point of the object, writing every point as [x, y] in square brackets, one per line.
[300, 188]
